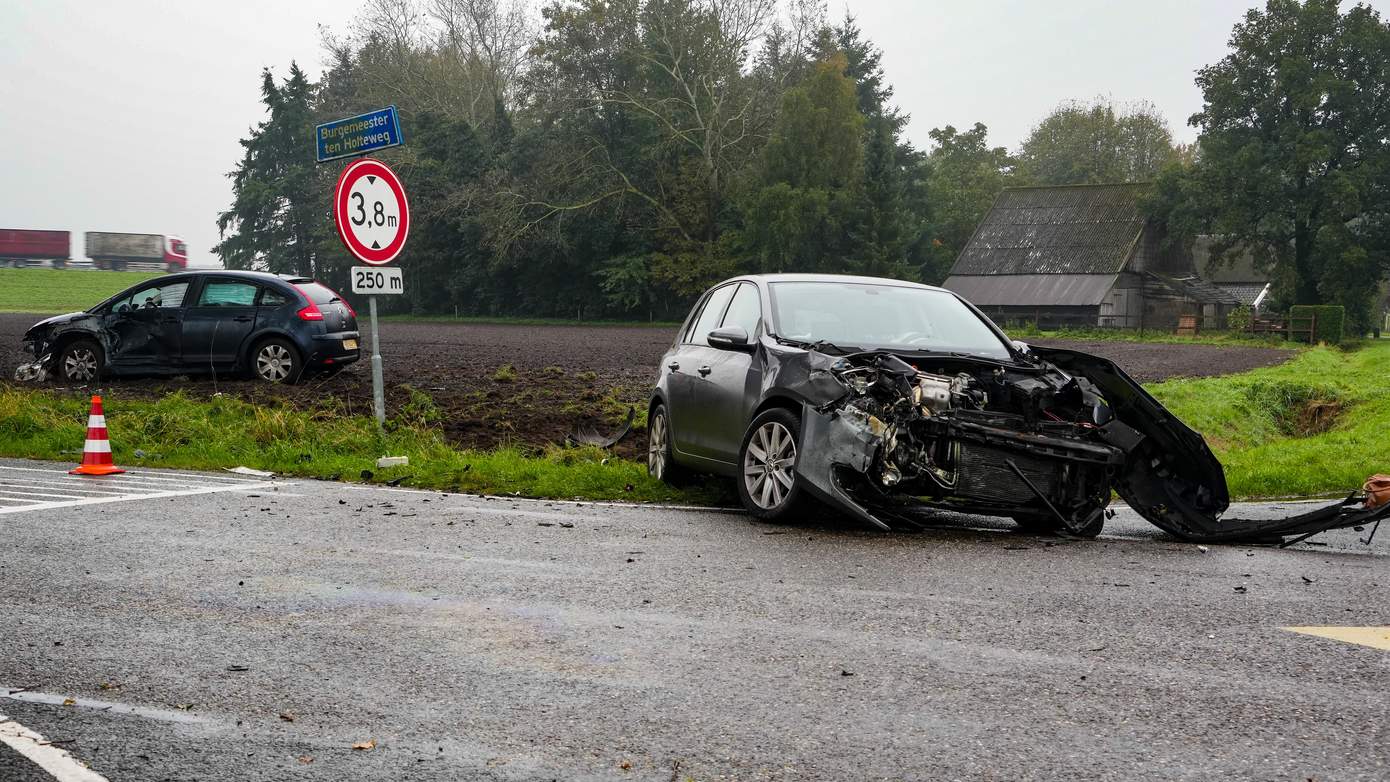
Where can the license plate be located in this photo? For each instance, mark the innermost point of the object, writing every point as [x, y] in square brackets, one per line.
[349, 344]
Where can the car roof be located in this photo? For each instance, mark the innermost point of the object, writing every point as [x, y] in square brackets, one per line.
[291, 279]
[843, 278]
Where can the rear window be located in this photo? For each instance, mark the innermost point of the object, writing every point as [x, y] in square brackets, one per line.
[317, 293]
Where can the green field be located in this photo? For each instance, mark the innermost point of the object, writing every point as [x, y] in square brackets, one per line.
[55, 291]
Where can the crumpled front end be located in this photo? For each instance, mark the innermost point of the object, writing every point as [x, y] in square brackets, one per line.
[1041, 441]
[44, 339]
[969, 435]
[35, 371]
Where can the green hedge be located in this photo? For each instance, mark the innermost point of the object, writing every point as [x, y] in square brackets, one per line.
[1330, 320]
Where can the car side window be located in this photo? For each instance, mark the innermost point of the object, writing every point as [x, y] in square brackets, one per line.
[745, 311]
[156, 296]
[227, 294]
[711, 315]
[272, 298]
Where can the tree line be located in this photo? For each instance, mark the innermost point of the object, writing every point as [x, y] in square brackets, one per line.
[612, 158]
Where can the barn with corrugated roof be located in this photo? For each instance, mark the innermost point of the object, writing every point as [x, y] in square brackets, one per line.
[1083, 255]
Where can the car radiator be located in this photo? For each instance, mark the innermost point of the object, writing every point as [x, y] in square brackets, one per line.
[984, 474]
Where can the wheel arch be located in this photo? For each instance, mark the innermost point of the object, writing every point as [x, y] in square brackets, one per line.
[784, 401]
[62, 339]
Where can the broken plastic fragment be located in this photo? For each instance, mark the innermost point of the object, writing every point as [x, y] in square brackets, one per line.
[1377, 488]
[249, 471]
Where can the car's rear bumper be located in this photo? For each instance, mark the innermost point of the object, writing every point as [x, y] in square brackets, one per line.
[333, 350]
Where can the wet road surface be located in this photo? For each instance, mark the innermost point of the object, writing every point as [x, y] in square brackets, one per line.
[258, 632]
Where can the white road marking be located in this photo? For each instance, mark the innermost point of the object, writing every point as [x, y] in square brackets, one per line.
[24, 489]
[59, 763]
[27, 484]
[141, 474]
[105, 707]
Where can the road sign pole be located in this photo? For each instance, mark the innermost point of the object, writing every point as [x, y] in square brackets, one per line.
[378, 393]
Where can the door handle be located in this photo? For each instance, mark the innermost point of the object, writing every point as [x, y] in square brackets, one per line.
[704, 371]
[242, 319]
[673, 366]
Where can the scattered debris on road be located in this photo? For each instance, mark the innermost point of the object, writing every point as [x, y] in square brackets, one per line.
[251, 472]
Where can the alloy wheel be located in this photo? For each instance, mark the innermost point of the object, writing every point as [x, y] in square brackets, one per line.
[656, 447]
[274, 363]
[768, 462]
[80, 363]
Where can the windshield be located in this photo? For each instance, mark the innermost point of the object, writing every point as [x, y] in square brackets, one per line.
[860, 316]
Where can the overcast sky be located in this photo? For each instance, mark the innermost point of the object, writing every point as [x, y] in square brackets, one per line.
[125, 116]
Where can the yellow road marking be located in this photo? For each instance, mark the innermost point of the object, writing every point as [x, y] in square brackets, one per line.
[1374, 637]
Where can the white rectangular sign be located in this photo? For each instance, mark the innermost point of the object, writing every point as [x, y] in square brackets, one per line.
[377, 279]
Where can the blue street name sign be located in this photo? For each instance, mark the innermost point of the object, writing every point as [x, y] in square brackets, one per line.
[358, 135]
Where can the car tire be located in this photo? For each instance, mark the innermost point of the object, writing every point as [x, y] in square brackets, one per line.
[275, 360]
[80, 361]
[661, 460]
[768, 485]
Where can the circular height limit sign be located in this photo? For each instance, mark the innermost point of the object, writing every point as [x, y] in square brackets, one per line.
[371, 211]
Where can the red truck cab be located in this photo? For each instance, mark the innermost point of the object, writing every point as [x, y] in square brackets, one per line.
[175, 254]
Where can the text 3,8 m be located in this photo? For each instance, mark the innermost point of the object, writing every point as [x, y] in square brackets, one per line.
[378, 216]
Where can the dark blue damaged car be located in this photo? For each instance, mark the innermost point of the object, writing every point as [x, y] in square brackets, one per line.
[275, 328]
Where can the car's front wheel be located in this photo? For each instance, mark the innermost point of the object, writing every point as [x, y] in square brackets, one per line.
[276, 361]
[80, 361]
[767, 481]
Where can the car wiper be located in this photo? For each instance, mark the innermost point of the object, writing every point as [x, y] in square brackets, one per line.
[789, 342]
[825, 346]
[821, 345]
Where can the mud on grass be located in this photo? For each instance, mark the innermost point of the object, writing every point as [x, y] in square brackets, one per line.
[179, 431]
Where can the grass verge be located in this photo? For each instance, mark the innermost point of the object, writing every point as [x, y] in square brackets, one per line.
[1316, 425]
[180, 432]
[56, 291]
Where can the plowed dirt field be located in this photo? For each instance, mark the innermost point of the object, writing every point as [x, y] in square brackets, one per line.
[561, 378]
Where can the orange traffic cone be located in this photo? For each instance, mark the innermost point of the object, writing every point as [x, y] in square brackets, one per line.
[96, 456]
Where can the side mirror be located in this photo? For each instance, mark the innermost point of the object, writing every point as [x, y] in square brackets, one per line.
[729, 338]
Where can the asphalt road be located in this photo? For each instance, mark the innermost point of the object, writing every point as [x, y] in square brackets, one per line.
[256, 631]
